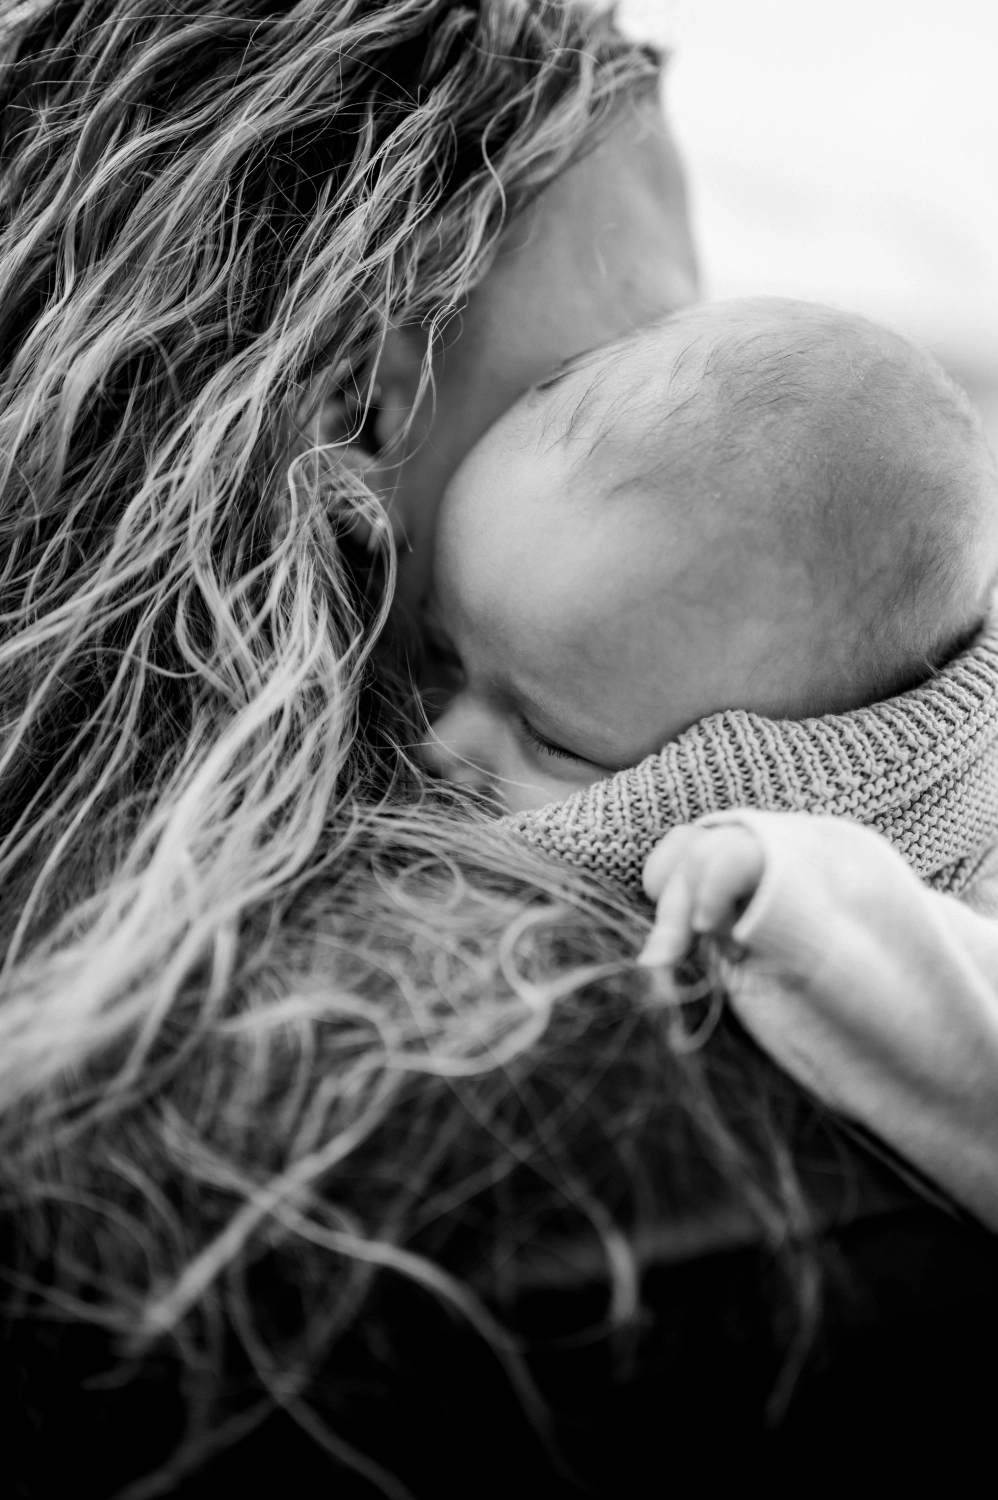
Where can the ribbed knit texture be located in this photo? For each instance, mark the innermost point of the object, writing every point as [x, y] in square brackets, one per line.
[922, 768]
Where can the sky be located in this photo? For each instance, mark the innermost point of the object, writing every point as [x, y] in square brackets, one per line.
[845, 151]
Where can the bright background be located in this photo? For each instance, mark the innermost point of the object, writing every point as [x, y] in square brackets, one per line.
[845, 151]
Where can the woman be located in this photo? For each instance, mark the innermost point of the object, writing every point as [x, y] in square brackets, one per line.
[295, 1048]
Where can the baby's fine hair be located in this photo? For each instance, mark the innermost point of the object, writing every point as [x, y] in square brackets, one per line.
[855, 455]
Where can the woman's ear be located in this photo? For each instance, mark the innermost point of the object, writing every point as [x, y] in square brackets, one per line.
[333, 421]
[372, 415]
[397, 381]
[321, 417]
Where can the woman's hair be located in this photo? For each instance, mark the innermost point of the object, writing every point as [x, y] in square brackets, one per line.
[268, 1000]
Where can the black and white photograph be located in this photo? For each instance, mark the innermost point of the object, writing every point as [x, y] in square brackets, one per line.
[498, 749]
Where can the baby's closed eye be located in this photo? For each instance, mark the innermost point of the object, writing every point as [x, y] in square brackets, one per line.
[547, 747]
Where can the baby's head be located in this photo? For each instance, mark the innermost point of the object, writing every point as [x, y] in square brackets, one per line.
[759, 504]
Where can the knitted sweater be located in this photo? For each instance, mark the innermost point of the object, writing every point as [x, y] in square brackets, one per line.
[921, 768]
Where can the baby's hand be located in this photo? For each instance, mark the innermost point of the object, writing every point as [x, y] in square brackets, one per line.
[701, 880]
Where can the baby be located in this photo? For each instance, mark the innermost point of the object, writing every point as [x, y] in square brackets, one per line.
[759, 504]
[770, 506]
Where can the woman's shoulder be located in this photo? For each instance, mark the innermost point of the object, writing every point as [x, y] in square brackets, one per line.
[894, 1378]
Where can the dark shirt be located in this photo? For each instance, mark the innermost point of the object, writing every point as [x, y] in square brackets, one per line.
[898, 1385]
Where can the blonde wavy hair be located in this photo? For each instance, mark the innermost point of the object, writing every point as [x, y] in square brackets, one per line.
[261, 984]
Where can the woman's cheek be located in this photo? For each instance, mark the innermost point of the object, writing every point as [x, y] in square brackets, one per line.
[477, 747]
[467, 744]
[526, 785]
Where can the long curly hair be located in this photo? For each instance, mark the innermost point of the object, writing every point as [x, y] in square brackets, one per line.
[268, 997]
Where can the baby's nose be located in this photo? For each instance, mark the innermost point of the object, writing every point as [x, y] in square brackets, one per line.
[463, 745]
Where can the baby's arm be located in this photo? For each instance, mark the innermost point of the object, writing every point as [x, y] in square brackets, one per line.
[878, 994]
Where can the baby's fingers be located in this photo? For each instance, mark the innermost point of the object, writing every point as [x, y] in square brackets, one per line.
[671, 850]
[672, 933]
[702, 878]
[730, 865]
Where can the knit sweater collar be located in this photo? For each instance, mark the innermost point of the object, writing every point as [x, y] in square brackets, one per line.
[922, 768]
